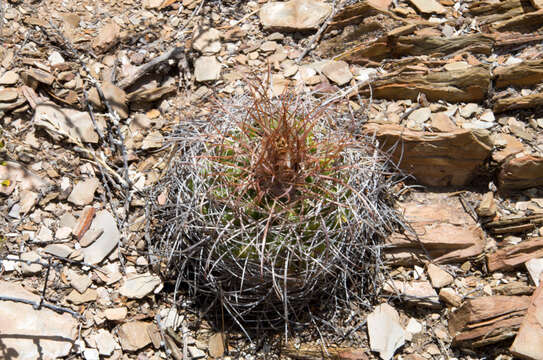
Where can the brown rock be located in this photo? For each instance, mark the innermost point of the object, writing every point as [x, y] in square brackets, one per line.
[83, 192]
[429, 6]
[107, 37]
[216, 345]
[438, 276]
[134, 336]
[420, 293]
[116, 314]
[9, 78]
[521, 173]
[32, 77]
[487, 207]
[507, 144]
[294, 15]
[116, 98]
[450, 296]
[8, 95]
[528, 343]
[435, 159]
[76, 298]
[442, 122]
[84, 221]
[487, 320]
[338, 72]
[538, 4]
[515, 255]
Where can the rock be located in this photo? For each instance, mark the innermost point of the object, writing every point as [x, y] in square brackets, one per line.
[76, 298]
[207, 42]
[428, 6]
[55, 58]
[108, 241]
[457, 65]
[207, 68]
[420, 293]
[442, 122]
[28, 200]
[438, 276]
[445, 230]
[413, 328]
[385, 332]
[435, 159]
[535, 268]
[116, 314]
[63, 233]
[469, 110]
[487, 206]
[108, 37]
[83, 192]
[487, 320]
[61, 123]
[216, 345]
[420, 116]
[90, 236]
[450, 296]
[79, 282]
[528, 343]
[139, 286]
[36, 334]
[338, 72]
[9, 78]
[84, 221]
[294, 15]
[105, 342]
[33, 76]
[538, 4]
[8, 95]
[153, 140]
[196, 353]
[514, 256]
[487, 116]
[134, 336]
[521, 173]
[61, 250]
[116, 98]
[506, 145]
[91, 354]
[30, 269]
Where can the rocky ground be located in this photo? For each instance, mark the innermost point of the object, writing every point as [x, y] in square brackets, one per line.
[90, 91]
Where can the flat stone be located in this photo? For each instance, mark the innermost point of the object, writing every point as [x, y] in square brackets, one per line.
[438, 276]
[487, 207]
[154, 140]
[338, 72]
[207, 42]
[420, 293]
[469, 110]
[56, 331]
[506, 145]
[450, 296]
[30, 269]
[44, 234]
[107, 37]
[139, 286]
[116, 314]
[55, 58]
[488, 116]
[420, 116]
[8, 95]
[442, 122]
[429, 6]
[91, 354]
[385, 332]
[216, 345]
[28, 200]
[33, 75]
[61, 250]
[79, 282]
[207, 68]
[76, 298]
[457, 65]
[63, 122]
[196, 353]
[521, 173]
[9, 78]
[535, 268]
[108, 241]
[83, 192]
[294, 15]
[90, 236]
[105, 342]
[528, 343]
[134, 336]
[116, 98]
[63, 233]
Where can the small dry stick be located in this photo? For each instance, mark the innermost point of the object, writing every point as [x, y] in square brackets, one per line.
[315, 39]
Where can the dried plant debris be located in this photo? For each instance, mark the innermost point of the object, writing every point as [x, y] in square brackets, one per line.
[270, 211]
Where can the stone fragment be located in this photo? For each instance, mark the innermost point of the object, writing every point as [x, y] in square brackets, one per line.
[105, 244]
[338, 72]
[429, 6]
[487, 320]
[79, 282]
[457, 65]
[506, 145]
[420, 116]
[116, 314]
[469, 110]
[528, 343]
[487, 206]
[30, 269]
[139, 286]
[413, 328]
[83, 223]
[207, 68]
[90, 236]
[420, 293]
[76, 298]
[488, 116]
[36, 334]
[61, 250]
[63, 233]
[385, 332]
[55, 58]
[65, 123]
[28, 200]
[8, 95]
[208, 42]
[105, 342]
[521, 173]
[134, 336]
[216, 345]
[33, 76]
[442, 122]
[116, 98]
[44, 235]
[294, 15]
[91, 354]
[435, 159]
[535, 268]
[196, 353]
[83, 192]
[450, 296]
[9, 78]
[154, 140]
[107, 37]
[538, 4]
[438, 276]
[513, 256]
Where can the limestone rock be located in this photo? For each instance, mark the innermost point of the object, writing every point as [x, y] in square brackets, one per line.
[338, 72]
[134, 336]
[139, 286]
[420, 293]
[116, 314]
[521, 173]
[83, 192]
[294, 15]
[438, 276]
[207, 68]
[386, 334]
[207, 42]
[61, 123]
